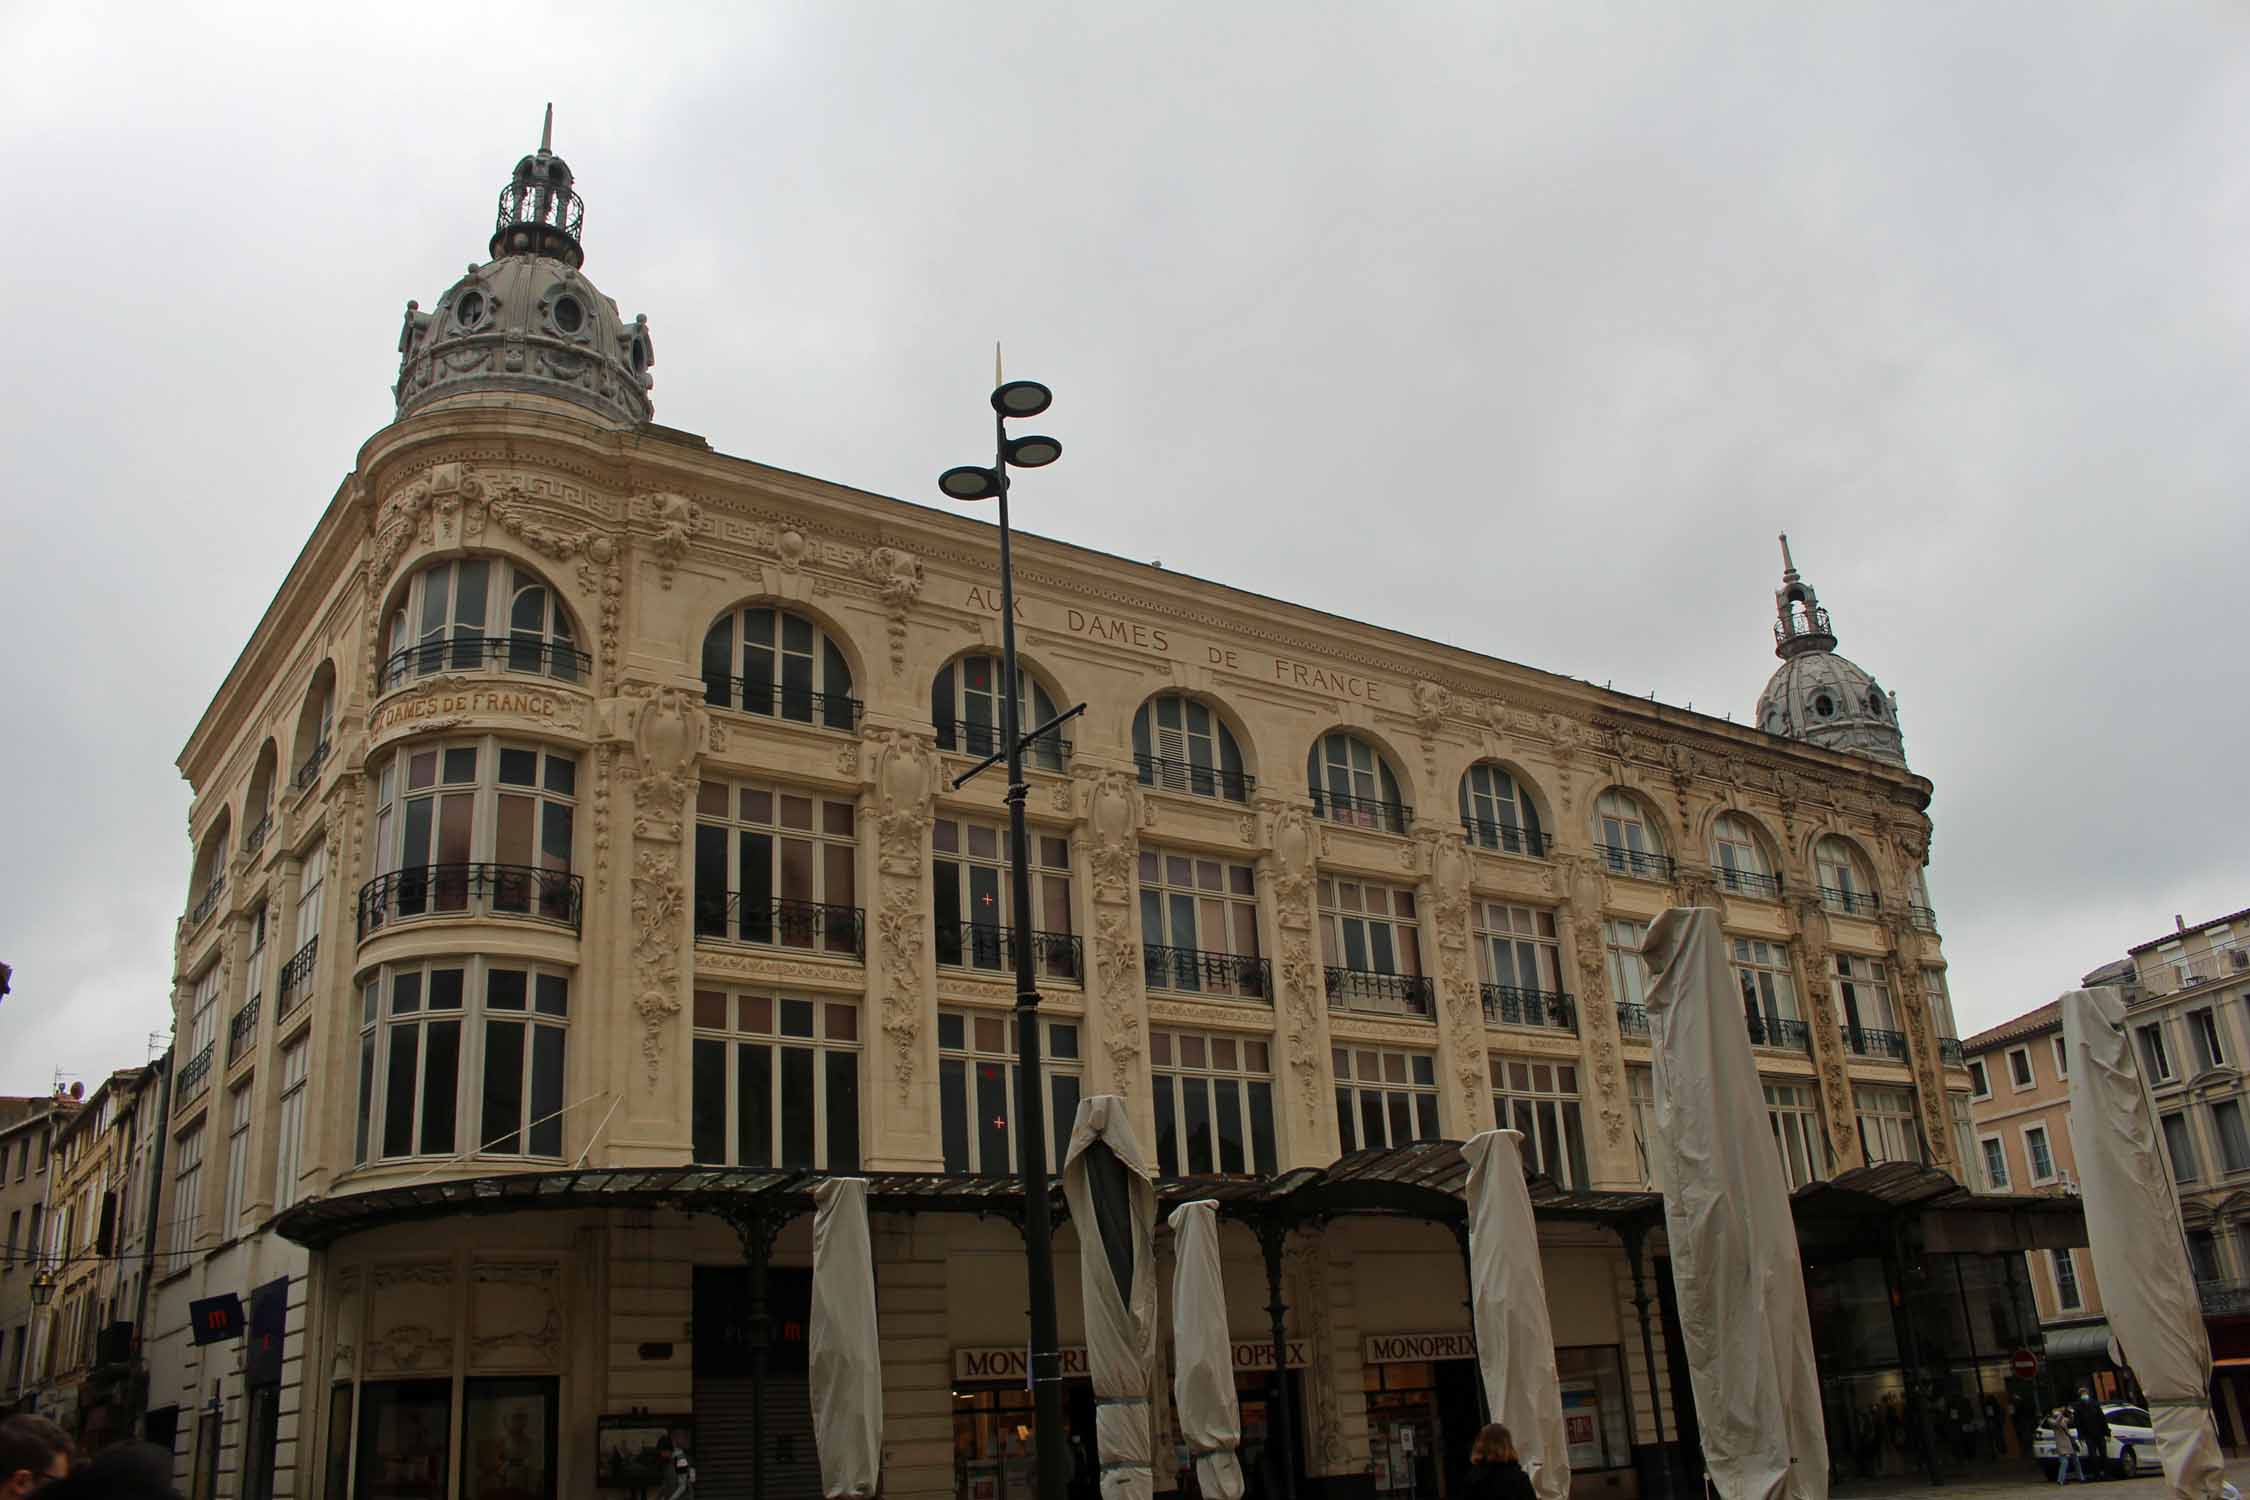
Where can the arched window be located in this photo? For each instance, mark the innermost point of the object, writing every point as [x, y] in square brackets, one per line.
[1740, 859]
[768, 661]
[1181, 745]
[257, 802]
[1627, 839]
[1497, 812]
[315, 722]
[210, 879]
[471, 613]
[965, 707]
[1352, 783]
[1847, 883]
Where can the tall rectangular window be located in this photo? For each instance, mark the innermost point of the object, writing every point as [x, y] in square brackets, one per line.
[1541, 1100]
[289, 1131]
[187, 1192]
[2067, 1298]
[297, 972]
[2179, 1145]
[977, 1089]
[526, 1020]
[254, 962]
[2019, 1067]
[1793, 1112]
[1371, 944]
[972, 900]
[2234, 1142]
[1863, 992]
[1640, 1087]
[1769, 992]
[1940, 1001]
[480, 826]
[1516, 952]
[2203, 1030]
[1199, 925]
[238, 1161]
[777, 865]
[2062, 1059]
[2203, 1256]
[2040, 1156]
[776, 1081]
[1385, 1097]
[2156, 1058]
[1628, 975]
[15, 1230]
[1995, 1161]
[1886, 1123]
[1980, 1082]
[1214, 1103]
[203, 1030]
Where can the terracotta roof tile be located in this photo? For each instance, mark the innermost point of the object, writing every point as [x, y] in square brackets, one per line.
[2031, 1023]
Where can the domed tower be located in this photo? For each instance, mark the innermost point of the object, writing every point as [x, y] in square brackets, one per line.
[1816, 695]
[528, 322]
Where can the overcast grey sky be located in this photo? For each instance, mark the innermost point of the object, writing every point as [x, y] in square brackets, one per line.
[1520, 326]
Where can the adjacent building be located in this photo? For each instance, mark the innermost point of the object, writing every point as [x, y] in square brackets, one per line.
[27, 1131]
[582, 812]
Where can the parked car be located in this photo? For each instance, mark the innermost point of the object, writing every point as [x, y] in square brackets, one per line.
[2132, 1442]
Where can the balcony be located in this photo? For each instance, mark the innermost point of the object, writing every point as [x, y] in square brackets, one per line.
[472, 651]
[296, 978]
[1507, 838]
[255, 838]
[308, 773]
[1923, 919]
[1196, 971]
[1381, 994]
[206, 903]
[2223, 1299]
[1049, 752]
[1866, 1041]
[1638, 863]
[782, 922]
[1747, 883]
[1781, 1032]
[1632, 1020]
[1362, 812]
[1509, 1005]
[1949, 1052]
[242, 1031]
[471, 890]
[974, 945]
[1849, 903]
[798, 705]
[195, 1076]
[1200, 781]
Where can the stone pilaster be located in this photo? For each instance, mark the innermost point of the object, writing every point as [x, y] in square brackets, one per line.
[1443, 896]
[1116, 982]
[1836, 1105]
[1305, 1083]
[903, 772]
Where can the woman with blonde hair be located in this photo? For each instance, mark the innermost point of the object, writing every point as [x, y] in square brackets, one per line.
[1495, 1469]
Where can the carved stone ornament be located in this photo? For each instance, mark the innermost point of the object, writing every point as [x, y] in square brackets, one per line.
[897, 576]
[1449, 914]
[1311, 1265]
[659, 904]
[908, 772]
[1598, 1018]
[898, 927]
[1113, 824]
[1432, 702]
[411, 1346]
[1294, 876]
[518, 1313]
[1302, 995]
[669, 734]
[1117, 961]
[676, 519]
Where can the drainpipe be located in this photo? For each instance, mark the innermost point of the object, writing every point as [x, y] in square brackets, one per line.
[155, 1197]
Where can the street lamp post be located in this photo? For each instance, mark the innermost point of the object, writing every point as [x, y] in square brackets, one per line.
[1024, 398]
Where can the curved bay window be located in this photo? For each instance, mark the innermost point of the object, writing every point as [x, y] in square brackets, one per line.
[1627, 839]
[1370, 943]
[1352, 783]
[473, 614]
[971, 900]
[1182, 746]
[773, 865]
[461, 1056]
[776, 1081]
[1847, 881]
[768, 661]
[1213, 1095]
[1497, 812]
[977, 1089]
[480, 828]
[1199, 926]
[1741, 860]
[965, 699]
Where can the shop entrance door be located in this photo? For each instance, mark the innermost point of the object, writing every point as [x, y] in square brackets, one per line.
[1460, 1416]
[724, 1396]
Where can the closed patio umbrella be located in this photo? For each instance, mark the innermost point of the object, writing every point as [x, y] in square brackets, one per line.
[1508, 1300]
[1203, 1357]
[1112, 1201]
[1726, 1216]
[847, 1359]
[2139, 1247]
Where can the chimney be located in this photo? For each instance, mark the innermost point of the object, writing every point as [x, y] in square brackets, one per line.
[2179, 923]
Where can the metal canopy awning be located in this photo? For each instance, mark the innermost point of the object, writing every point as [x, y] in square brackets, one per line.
[1948, 1217]
[2083, 1341]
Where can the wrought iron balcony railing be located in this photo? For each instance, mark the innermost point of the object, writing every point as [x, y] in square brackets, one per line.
[1483, 833]
[308, 773]
[1202, 781]
[242, 1031]
[474, 651]
[1850, 903]
[1200, 972]
[296, 978]
[522, 203]
[798, 705]
[973, 945]
[1638, 863]
[195, 1076]
[208, 901]
[1632, 1020]
[1868, 1041]
[255, 838]
[1509, 1005]
[1747, 883]
[1049, 752]
[1381, 994]
[2222, 1299]
[1362, 812]
[1949, 1052]
[1924, 919]
[782, 922]
[1780, 1031]
[477, 890]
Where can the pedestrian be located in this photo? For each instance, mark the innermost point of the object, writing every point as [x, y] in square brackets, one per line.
[2066, 1448]
[1495, 1470]
[122, 1471]
[2093, 1433]
[33, 1453]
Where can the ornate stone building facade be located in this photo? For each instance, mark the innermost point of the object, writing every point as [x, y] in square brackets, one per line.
[584, 800]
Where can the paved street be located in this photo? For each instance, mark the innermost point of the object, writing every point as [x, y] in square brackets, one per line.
[2021, 1483]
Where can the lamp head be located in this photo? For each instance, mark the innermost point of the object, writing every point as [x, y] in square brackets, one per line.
[969, 482]
[1032, 452]
[1022, 398]
[42, 1287]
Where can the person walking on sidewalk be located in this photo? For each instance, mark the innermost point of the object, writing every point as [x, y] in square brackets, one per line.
[2066, 1448]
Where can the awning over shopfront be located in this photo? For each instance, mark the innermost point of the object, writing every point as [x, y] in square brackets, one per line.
[2085, 1341]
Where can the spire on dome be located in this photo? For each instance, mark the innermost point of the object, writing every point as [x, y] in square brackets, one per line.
[539, 214]
[1801, 624]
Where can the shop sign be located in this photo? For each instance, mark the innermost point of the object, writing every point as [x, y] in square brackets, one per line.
[214, 1320]
[1400, 1348]
[1009, 1363]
